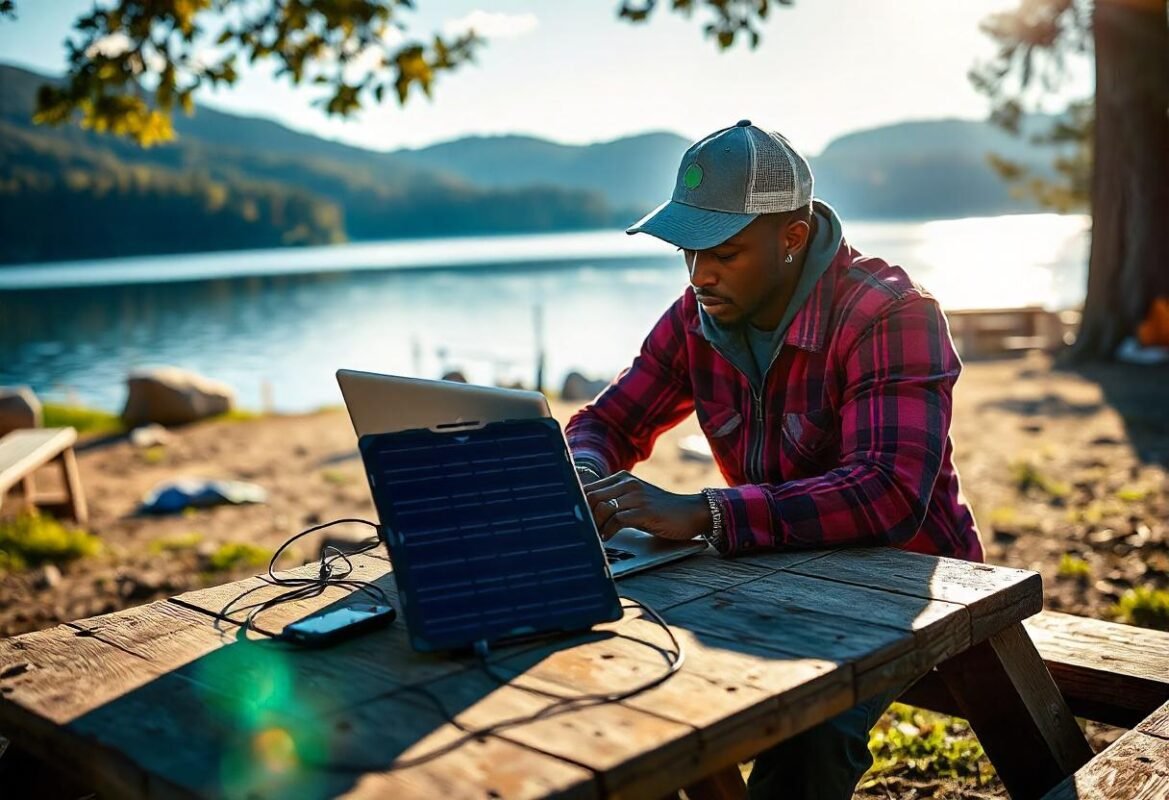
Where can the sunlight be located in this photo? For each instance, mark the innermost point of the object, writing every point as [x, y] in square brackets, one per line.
[993, 262]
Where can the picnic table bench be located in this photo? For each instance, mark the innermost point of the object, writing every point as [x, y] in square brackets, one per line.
[173, 700]
[1134, 767]
[24, 451]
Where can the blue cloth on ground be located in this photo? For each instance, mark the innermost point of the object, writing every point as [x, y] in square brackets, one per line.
[174, 496]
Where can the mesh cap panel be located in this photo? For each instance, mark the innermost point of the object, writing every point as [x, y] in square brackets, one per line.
[780, 179]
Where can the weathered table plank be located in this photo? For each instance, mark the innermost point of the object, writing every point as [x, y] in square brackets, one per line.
[995, 596]
[705, 574]
[1134, 767]
[630, 751]
[797, 615]
[740, 698]
[1157, 723]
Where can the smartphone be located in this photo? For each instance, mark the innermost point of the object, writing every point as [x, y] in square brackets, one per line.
[340, 623]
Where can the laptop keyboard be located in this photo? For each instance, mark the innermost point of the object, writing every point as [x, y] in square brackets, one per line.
[614, 554]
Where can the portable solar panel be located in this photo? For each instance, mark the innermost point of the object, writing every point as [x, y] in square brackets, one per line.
[489, 532]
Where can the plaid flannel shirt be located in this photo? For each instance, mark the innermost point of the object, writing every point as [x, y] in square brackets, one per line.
[847, 444]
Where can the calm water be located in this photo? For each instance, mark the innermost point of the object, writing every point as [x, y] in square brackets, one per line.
[287, 319]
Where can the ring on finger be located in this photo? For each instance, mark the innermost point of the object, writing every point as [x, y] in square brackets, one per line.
[613, 502]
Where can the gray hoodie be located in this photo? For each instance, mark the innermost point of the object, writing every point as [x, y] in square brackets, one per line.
[752, 351]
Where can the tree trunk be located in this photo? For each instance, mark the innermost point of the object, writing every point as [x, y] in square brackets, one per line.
[1129, 262]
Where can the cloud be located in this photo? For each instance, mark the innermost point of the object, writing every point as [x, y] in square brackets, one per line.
[492, 25]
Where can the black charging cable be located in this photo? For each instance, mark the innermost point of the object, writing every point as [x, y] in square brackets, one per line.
[329, 573]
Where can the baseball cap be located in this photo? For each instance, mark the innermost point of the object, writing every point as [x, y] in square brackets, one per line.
[724, 182]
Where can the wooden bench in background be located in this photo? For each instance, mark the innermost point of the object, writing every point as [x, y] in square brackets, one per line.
[24, 451]
[980, 333]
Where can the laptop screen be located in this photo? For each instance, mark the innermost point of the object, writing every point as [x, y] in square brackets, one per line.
[489, 533]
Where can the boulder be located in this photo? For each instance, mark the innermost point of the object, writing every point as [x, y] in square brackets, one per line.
[19, 408]
[173, 396]
[577, 387]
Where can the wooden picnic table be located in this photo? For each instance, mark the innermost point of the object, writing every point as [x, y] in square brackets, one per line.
[171, 700]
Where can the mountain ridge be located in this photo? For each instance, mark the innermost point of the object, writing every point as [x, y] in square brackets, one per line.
[231, 173]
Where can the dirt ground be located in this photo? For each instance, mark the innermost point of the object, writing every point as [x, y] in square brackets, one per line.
[1052, 462]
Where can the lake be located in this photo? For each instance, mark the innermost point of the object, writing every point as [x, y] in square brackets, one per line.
[276, 324]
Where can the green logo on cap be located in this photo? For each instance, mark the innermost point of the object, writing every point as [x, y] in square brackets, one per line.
[692, 177]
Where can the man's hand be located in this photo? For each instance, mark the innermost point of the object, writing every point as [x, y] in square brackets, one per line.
[624, 501]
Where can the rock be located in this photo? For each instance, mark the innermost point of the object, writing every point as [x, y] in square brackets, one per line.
[47, 577]
[1104, 536]
[153, 435]
[173, 396]
[19, 408]
[577, 387]
[138, 586]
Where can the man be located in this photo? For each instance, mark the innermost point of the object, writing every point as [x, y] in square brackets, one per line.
[823, 381]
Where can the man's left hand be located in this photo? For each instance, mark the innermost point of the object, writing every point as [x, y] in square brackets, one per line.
[644, 506]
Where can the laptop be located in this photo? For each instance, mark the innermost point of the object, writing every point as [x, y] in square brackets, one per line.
[390, 403]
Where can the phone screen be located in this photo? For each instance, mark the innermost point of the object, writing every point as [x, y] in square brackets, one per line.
[336, 619]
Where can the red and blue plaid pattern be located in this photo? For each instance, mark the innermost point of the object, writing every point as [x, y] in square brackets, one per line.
[847, 444]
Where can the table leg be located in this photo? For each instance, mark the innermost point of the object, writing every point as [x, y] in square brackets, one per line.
[726, 784]
[1004, 690]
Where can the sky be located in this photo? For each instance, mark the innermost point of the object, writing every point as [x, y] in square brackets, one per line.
[570, 71]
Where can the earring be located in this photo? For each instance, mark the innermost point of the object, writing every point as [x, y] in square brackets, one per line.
[788, 260]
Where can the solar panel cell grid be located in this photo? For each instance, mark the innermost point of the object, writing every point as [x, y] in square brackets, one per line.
[489, 533]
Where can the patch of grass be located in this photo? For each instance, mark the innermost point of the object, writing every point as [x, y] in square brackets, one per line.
[85, 420]
[921, 744]
[1071, 566]
[336, 477]
[1132, 493]
[1144, 606]
[153, 455]
[31, 539]
[175, 544]
[235, 555]
[1093, 514]
[1026, 475]
[237, 415]
[1003, 516]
